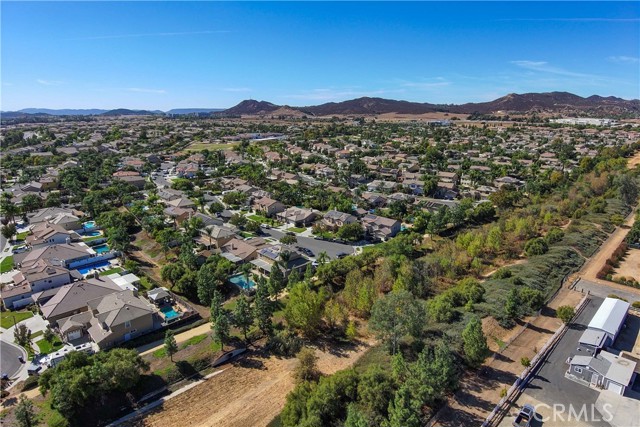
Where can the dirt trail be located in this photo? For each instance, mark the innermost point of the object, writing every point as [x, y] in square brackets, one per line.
[634, 161]
[249, 393]
[593, 265]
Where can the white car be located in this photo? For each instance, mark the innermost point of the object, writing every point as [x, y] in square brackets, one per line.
[267, 226]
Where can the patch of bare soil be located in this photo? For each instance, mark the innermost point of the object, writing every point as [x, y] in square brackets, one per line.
[630, 266]
[251, 392]
[634, 161]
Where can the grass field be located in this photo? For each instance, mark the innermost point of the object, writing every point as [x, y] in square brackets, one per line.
[7, 317]
[199, 146]
[22, 236]
[6, 264]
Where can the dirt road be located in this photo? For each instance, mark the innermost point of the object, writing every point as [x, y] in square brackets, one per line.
[249, 393]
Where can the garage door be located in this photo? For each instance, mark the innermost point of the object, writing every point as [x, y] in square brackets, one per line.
[616, 388]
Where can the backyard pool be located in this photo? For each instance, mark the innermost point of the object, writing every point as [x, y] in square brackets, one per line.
[92, 233]
[89, 225]
[169, 312]
[241, 281]
[100, 249]
[87, 268]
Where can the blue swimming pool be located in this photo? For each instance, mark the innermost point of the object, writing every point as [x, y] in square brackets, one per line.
[87, 268]
[169, 313]
[241, 281]
[92, 233]
[100, 249]
[89, 225]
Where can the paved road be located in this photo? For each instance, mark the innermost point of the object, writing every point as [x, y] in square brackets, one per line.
[9, 363]
[316, 246]
[601, 290]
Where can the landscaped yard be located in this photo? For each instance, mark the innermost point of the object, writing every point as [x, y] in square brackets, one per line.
[22, 236]
[6, 264]
[111, 271]
[92, 238]
[46, 347]
[7, 317]
[259, 219]
[296, 229]
[199, 146]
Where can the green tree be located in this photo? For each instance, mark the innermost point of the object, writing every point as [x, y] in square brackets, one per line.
[565, 313]
[355, 417]
[170, 345]
[375, 391]
[30, 203]
[49, 335]
[537, 246]
[475, 345]
[24, 413]
[216, 305]
[221, 329]
[172, 273]
[242, 315]
[628, 187]
[395, 315]
[307, 369]
[288, 239]
[8, 231]
[22, 335]
[402, 410]
[263, 307]
[351, 232]
[276, 280]
[304, 309]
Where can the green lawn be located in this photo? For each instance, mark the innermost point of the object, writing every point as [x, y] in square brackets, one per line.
[7, 317]
[46, 347]
[6, 264]
[199, 146]
[111, 271]
[296, 229]
[92, 238]
[22, 236]
[259, 218]
[247, 234]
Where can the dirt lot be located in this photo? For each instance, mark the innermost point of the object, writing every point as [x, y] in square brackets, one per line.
[634, 161]
[630, 266]
[480, 392]
[249, 393]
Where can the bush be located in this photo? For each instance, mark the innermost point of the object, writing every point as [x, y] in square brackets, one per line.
[284, 343]
[525, 361]
[30, 382]
[536, 246]
[502, 273]
[57, 420]
[616, 297]
[554, 235]
[636, 304]
[565, 313]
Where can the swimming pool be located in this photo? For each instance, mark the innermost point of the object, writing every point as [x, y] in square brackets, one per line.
[87, 268]
[241, 281]
[169, 312]
[92, 233]
[89, 225]
[100, 249]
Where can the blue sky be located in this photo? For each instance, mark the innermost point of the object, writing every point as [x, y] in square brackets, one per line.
[195, 54]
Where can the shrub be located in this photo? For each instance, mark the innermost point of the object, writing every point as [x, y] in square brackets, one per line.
[565, 313]
[525, 361]
[536, 246]
[636, 304]
[616, 297]
[30, 382]
[502, 273]
[284, 343]
[554, 235]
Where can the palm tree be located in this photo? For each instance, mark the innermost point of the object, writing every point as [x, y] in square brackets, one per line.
[208, 231]
[323, 257]
[246, 271]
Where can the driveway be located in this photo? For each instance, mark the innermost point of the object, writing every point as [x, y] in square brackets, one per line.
[559, 400]
[316, 246]
[604, 289]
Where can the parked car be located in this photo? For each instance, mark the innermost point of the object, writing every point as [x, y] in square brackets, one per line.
[267, 226]
[341, 255]
[524, 417]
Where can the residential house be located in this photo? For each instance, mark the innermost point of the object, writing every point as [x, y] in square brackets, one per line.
[299, 217]
[72, 298]
[334, 219]
[267, 206]
[46, 234]
[380, 228]
[215, 236]
[111, 319]
[604, 371]
[241, 251]
[283, 256]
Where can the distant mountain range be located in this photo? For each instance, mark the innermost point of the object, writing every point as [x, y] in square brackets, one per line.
[551, 102]
[99, 112]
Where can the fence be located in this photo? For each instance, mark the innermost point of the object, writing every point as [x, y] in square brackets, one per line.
[500, 409]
